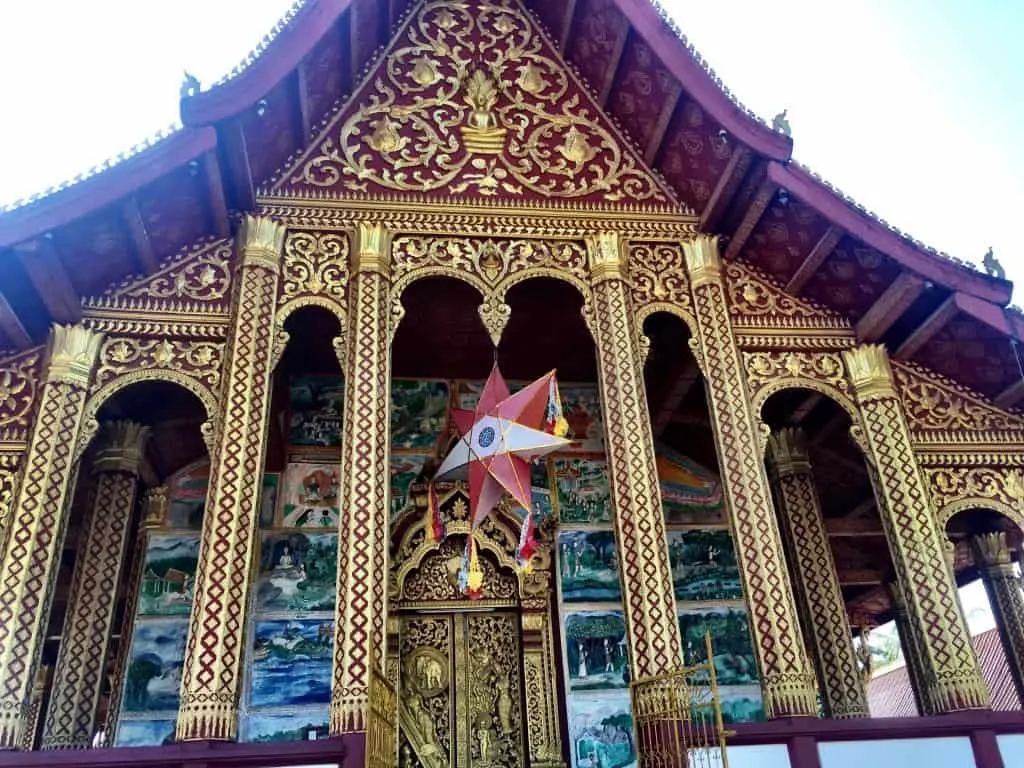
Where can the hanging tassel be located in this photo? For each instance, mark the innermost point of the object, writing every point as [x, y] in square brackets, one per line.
[471, 578]
[435, 523]
[527, 543]
[554, 418]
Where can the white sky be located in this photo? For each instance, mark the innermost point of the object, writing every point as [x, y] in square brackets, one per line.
[909, 106]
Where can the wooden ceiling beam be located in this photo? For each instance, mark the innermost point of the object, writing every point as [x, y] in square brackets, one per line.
[890, 306]
[45, 270]
[1010, 396]
[220, 218]
[927, 330]
[302, 105]
[566, 30]
[800, 412]
[12, 327]
[618, 48]
[758, 205]
[842, 527]
[238, 168]
[725, 190]
[860, 577]
[142, 246]
[819, 253]
[657, 137]
[689, 374]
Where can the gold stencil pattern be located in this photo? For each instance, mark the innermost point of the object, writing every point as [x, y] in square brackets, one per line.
[787, 678]
[816, 581]
[1006, 596]
[211, 674]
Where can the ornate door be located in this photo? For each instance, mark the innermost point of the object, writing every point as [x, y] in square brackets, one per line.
[460, 696]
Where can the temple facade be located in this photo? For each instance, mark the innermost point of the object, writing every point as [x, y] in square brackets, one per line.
[229, 367]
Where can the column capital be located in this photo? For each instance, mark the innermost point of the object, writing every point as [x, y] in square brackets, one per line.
[121, 447]
[991, 549]
[788, 450]
[703, 261]
[154, 507]
[371, 249]
[73, 353]
[260, 241]
[869, 370]
[606, 256]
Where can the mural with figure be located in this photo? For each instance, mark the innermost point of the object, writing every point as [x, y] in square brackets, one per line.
[309, 498]
[704, 565]
[597, 655]
[588, 565]
[291, 662]
[152, 678]
[297, 572]
[419, 413]
[601, 731]
[315, 408]
[735, 663]
[169, 574]
[581, 490]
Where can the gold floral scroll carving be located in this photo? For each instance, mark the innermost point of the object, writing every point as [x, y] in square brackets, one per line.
[952, 675]
[211, 676]
[787, 676]
[37, 521]
[954, 489]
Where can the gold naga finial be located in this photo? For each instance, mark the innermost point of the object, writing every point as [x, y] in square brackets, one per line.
[482, 134]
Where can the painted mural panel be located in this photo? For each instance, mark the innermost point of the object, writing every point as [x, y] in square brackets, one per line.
[309, 497]
[297, 572]
[741, 704]
[582, 490]
[294, 726]
[315, 407]
[581, 405]
[690, 494]
[152, 679]
[596, 651]
[268, 500]
[704, 565]
[169, 574]
[405, 468]
[144, 733]
[588, 565]
[730, 634]
[291, 662]
[601, 731]
[186, 498]
[419, 413]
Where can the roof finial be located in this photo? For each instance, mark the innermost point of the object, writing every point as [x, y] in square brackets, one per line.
[992, 265]
[190, 86]
[781, 124]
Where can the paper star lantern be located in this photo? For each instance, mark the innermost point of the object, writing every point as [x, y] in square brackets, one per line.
[499, 440]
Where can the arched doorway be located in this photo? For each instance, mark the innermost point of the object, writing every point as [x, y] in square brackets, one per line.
[463, 669]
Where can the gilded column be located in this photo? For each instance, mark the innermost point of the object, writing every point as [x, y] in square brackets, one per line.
[211, 678]
[35, 536]
[649, 601]
[953, 678]
[816, 581]
[154, 514]
[35, 708]
[787, 678]
[365, 483]
[911, 646]
[540, 661]
[81, 662]
[992, 555]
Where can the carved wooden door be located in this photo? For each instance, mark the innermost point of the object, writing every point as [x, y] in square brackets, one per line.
[461, 690]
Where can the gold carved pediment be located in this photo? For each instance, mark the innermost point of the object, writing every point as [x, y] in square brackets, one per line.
[472, 101]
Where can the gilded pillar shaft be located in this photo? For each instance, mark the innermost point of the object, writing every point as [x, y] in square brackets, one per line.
[365, 484]
[954, 679]
[10, 463]
[35, 536]
[1006, 597]
[911, 645]
[539, 664]
[651, 621]
[35, 708]
[787, 677]
[79, 675]
[154, 513]
[211, 678]
[815, 577]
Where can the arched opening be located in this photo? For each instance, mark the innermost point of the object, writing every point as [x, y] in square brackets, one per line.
[98, 602]
[856, 545]
[702, 552]
[985, 554]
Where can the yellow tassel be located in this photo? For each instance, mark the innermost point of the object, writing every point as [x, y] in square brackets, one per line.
[561, 426]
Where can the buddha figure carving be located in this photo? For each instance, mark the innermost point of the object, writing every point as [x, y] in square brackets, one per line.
[482, 133]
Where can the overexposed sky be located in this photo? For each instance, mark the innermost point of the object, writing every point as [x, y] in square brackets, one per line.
[914, 107]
